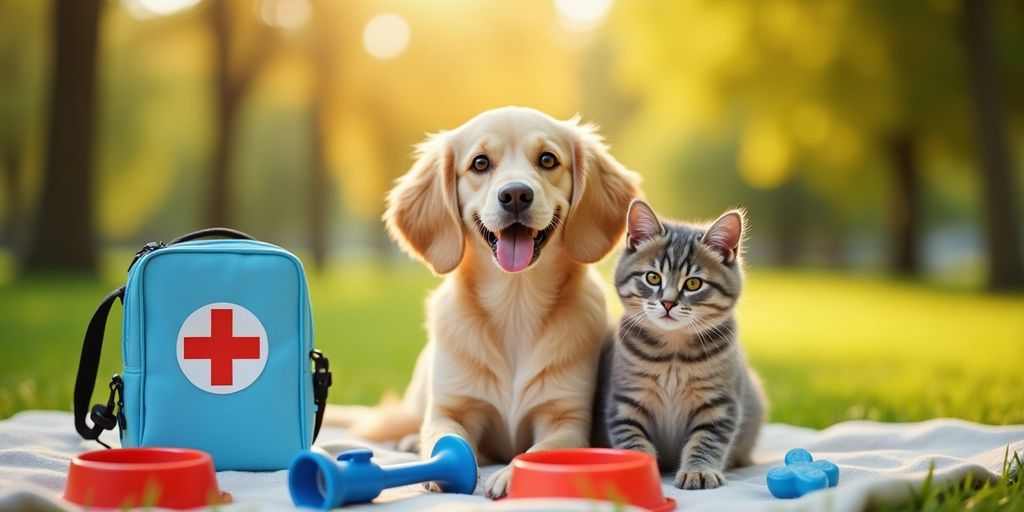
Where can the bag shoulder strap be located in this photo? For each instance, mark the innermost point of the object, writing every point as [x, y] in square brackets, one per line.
[103, 417]
[210, 233]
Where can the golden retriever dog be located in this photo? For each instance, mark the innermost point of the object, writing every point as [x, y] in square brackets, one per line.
[512, 206]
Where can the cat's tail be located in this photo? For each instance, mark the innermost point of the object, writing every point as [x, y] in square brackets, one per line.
[390, 420]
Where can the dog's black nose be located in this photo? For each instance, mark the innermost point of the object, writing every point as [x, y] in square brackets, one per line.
[515, 197]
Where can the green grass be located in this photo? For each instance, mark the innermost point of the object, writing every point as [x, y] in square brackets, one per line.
[832, 348]
[828, 347]
[1005, 493]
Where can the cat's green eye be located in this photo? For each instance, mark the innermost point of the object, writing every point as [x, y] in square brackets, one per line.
[693, 284]
[653, 278]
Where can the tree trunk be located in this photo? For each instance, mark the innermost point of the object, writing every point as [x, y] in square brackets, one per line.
[218, 204]
[835, 246]
[64, 235]
[790, 227]
[318, 180]
[12, 163]
[392, 161]
[233, 77]
[318, 191]
[1002, 218]
[905, 209]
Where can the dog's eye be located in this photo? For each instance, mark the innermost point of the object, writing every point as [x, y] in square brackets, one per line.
[548, 160]
[693, 284]
[653, 278]
[481, 164]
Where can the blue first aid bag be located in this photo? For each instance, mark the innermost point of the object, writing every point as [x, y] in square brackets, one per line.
[217, 353]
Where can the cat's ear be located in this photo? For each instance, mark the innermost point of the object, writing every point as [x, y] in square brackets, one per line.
[725, 234]
[641, 223]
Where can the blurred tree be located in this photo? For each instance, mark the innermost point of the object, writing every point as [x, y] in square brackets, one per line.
[319, 183]
[12, 161]
[863, 72]
[241, 47]
[64, 234]
[15, 111]
[905, 210]
[156, 110]
[20, 81]
[1002, 215]
[829, 90]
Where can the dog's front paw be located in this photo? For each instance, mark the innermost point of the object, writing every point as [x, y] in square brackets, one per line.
[409, 443]
[432, 487]
[497, 485]
[699, 479]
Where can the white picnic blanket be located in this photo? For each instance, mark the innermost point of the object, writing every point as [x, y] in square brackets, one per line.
[879, 463]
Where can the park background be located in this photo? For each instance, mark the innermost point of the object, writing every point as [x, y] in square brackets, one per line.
[878, 145]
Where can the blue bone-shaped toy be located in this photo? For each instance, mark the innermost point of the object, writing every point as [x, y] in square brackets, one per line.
[316, 481]
[801, 475]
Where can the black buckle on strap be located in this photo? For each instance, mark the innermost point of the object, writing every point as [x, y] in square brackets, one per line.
[321, 372]
[103, 417]
[109, 416]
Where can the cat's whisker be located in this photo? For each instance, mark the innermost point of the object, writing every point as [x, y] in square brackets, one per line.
[632, 321]
[705, 329]
[717, 328]
[700, 334]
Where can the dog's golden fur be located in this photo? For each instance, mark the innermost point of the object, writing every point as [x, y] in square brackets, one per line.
[511, 359]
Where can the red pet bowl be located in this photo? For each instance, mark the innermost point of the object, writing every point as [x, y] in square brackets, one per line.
[623, 476]
[132, 477]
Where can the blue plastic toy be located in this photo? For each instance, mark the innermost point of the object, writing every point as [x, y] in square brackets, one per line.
[801, 475]
[316, 481]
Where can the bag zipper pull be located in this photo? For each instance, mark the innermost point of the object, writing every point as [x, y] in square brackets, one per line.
[321, 378]
[146, 249]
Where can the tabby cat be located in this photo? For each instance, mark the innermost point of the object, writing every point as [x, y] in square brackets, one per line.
[674, 382]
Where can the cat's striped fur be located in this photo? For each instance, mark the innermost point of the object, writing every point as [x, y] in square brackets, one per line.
[674, 383]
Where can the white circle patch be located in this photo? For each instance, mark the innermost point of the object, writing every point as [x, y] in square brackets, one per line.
[222, 348]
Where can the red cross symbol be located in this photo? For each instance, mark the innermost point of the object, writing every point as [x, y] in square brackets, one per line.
[222, 347]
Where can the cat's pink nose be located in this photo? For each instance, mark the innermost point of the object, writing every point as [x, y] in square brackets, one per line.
[668, 304]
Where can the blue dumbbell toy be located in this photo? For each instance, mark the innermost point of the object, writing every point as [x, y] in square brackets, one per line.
[316, 481]
[801, 475]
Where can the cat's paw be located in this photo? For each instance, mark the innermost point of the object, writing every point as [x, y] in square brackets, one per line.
[497, 485]
[699, 479]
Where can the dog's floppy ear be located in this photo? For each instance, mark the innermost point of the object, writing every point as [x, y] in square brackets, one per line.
[601, 191]
[423, 212]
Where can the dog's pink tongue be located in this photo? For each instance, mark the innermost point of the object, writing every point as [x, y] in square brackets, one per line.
[515, 248]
